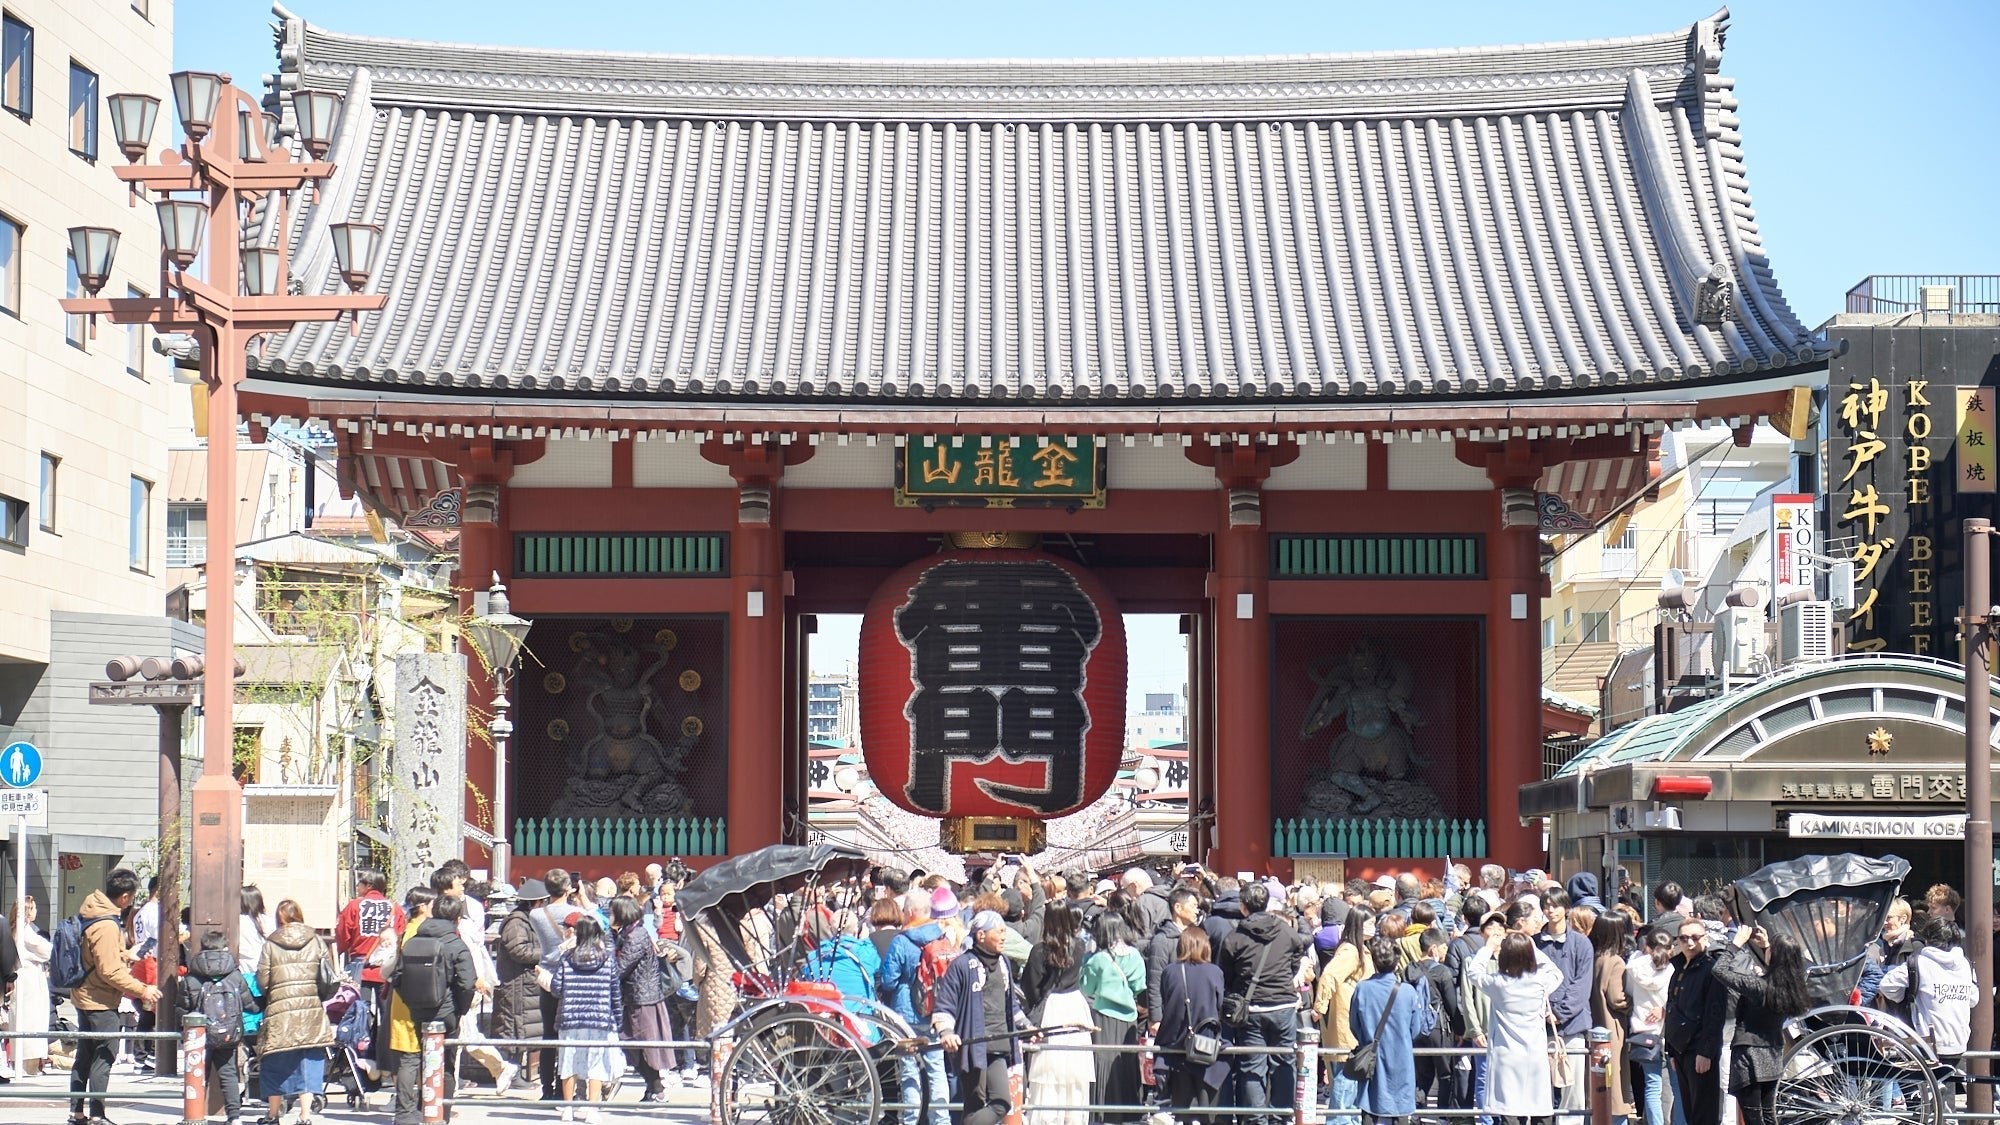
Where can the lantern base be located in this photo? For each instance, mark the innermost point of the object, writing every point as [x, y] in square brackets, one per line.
[1006, 835]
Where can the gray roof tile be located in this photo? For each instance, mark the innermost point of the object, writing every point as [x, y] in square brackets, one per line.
[1371, 228]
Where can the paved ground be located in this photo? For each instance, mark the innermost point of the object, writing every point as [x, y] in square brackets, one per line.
[45, 1105]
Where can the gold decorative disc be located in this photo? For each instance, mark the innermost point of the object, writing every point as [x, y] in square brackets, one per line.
[554, 683]
[622, 625]
[692, 726]
[690, 680]
[666, 639]
[578, 641]
[558, 729]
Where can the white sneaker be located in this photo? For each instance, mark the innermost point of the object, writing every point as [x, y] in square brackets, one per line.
[566, 1114]
[588, 1115]
[505, 1081]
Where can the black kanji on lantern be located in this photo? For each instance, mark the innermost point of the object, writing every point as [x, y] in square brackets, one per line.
[997, 655]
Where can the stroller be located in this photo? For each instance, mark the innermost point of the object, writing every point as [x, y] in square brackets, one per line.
[353, 1029]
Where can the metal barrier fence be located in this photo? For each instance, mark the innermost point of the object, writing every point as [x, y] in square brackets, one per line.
[25, 1093]
[1306, 1103]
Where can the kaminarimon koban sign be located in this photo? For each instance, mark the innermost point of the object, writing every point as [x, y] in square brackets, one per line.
[992, 687]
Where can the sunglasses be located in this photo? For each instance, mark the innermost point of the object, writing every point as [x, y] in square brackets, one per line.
[1691, 939]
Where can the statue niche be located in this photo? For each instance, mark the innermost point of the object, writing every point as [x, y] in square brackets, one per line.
[1373, 764]
[619, 763]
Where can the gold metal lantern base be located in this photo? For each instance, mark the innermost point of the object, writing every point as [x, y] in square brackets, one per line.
[1007, 835]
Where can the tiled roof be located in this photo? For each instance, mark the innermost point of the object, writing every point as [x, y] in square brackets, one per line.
[1393, 227]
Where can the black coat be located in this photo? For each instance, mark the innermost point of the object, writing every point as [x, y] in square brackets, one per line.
[1264, 978]
[1160, 950]
[517, 1004]
[1757, 1047]
[1041, 979]
[1223, 917]
[638, 967]
[1697, 1008]
[1190, 997]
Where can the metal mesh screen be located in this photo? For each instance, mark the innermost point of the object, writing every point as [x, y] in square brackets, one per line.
[1377, 717]
[620, 718]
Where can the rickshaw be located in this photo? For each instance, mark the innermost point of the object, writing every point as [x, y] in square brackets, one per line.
[1845, 1064]
[795, 1051]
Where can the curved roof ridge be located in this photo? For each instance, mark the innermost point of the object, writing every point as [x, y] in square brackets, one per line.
[1676, 36]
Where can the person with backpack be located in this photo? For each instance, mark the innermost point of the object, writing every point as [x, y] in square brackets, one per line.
[433, 981]
[901, 990]
[1440, 990]
[213, 987]
[87, 960]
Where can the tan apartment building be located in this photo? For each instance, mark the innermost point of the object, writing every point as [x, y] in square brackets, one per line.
[1705, 517]
[83, 419]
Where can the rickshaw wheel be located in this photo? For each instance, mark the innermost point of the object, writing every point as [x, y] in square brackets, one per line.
[798, 1069]
[1856, 1074]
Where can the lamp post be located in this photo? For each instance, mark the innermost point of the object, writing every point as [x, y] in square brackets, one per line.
[497, 635]
[204, 188]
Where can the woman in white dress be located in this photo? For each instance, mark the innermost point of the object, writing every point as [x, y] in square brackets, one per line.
[1051, 994]
[1518, 981]
[31, 990]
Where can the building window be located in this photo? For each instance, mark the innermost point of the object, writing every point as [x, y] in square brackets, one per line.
[13, 521]
[1627, 541]
[73, 323]
[187, 534]
[135, 341]
[247, 754]
[82, 111]
[1596, 628]
[10, 266]
[1548, 632]
[47, 503]
[139, 525]
[17, 67]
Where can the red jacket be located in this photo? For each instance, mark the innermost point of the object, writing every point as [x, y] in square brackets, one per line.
[362, 923]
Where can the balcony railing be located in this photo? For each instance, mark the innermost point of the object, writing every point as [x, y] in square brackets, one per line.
[1903, 292]
[186, 552]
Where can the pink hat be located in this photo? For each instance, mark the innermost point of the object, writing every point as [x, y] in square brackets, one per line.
[944, 905]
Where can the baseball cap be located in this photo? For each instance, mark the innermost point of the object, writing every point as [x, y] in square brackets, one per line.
[1386, 882]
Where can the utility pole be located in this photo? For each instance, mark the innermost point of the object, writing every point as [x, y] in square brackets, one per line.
[1976, 627]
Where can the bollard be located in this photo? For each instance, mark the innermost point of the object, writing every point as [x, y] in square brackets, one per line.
[194, 1069]
[1305, 1087]
[719, 1109]
[433, 1073]
[1017, 1094]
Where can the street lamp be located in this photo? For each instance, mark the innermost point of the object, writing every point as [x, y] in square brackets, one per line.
[497, 635]
[205, 188]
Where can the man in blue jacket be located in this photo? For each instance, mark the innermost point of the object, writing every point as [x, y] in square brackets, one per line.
[976, 999]
[897, 985]
[1572, 953]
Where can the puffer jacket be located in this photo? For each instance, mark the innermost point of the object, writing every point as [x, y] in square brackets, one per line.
[587, 989]
[288, 976]
[638, 967]
[517, 1003]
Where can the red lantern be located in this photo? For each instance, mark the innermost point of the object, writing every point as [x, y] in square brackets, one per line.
[992, 684]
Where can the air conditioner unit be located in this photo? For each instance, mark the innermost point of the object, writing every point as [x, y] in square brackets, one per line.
[1663, 819]
[1805, 632]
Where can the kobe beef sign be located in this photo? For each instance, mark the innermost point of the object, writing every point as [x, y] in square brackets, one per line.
[999, 472]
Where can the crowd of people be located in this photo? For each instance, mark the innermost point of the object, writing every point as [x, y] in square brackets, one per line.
[1499, 993]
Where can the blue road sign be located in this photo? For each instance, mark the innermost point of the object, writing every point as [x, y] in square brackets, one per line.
[20, 765]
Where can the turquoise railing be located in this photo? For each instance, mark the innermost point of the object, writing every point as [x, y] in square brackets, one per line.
[1385, 838]
[652, 837]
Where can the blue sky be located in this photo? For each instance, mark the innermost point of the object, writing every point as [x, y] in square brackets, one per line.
[1870, 128]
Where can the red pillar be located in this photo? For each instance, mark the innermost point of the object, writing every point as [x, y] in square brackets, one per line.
[1239, 591]
[1513, 666]
[756, 663]
[482, 552]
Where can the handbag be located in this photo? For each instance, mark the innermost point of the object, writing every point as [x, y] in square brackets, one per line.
[1644, 1046]
[1236, 1008]
[1359, 1064]
[330, 978]
[1558, 1058]
[1203, 1047]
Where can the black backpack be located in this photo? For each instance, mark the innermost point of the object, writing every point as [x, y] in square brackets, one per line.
[422, 974]
[220, 1002]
